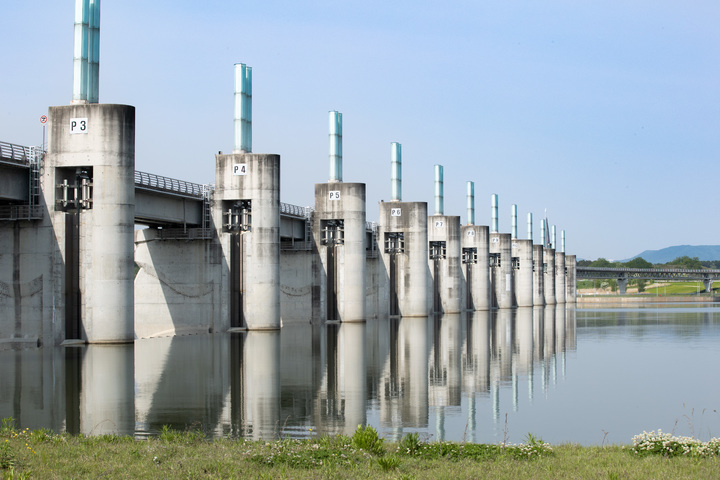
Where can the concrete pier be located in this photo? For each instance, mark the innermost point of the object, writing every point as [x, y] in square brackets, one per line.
[549, 279]
[247, 205]
[501, 270]
[404, 253]
[475, 243]
[571, 279]
[522, 254]
[339, 235]
[560, 277]
[91, 164]
[538, 276]
[444, 263]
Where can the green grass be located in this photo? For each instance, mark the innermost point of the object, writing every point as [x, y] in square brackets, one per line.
[42, 454]
[677, 288]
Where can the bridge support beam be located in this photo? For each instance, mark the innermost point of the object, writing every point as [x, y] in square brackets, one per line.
[622, 284]
[708, 285]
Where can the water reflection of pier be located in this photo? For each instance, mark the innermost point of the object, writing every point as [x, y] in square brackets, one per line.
[447, 377]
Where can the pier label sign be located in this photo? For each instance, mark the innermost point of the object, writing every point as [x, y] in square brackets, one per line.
[396, 212]
[78, 125]
[240, 169]
[334, 195]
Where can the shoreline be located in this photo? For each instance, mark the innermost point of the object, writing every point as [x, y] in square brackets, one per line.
[591, 298]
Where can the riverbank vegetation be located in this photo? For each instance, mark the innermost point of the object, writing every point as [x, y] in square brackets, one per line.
[172, 454]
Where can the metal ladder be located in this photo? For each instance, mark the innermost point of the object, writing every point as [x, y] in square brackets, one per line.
[36, 155]
[207, 191]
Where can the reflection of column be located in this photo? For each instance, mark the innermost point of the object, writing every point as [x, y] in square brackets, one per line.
[180, 382]
[571, 335]
[477, 378]
[538, 342]
[107, 394]
[413, 368]
[549, 343]
[560, 335]
[261, 365]
[524, 341]
[296, 377]
[351, 373]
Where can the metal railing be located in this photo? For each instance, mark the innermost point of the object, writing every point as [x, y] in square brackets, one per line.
[159, 183]
[20, 212]
[293, 210]
[18, 154]
[186, 233]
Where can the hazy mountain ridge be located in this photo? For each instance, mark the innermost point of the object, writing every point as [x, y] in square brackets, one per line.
[664, 255]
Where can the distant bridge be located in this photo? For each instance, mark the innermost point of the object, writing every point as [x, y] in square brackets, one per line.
[624, 275]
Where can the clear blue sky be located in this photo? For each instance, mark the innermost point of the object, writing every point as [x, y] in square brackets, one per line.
[605, 113]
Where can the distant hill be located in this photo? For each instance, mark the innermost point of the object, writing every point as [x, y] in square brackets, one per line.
[664, 255]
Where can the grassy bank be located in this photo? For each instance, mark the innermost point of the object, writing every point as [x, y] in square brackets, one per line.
[41, 454]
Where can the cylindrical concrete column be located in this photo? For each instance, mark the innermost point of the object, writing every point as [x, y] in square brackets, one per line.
[403, 228]
[254, 178]
[559, 277]
[501, 270]
[538, 276]
[522, 250]
[346, 202]
[97, 142]
[476, 271]
[549, 278]
[446, 276]
[571, 279]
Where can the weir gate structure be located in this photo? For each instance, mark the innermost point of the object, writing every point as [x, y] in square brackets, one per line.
[231, 256]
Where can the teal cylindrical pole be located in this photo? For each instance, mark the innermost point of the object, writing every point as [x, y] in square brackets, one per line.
[542, 234]
[396, 171]
[93, 51]
[439, 195]
[243, 108]
[494, 214]
[471, 203]
[514, 221]
[562, 241]
[553, 238]
[335, 146]
[80, 51]
[530, 226]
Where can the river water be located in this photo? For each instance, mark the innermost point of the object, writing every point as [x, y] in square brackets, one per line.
[567, 374]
